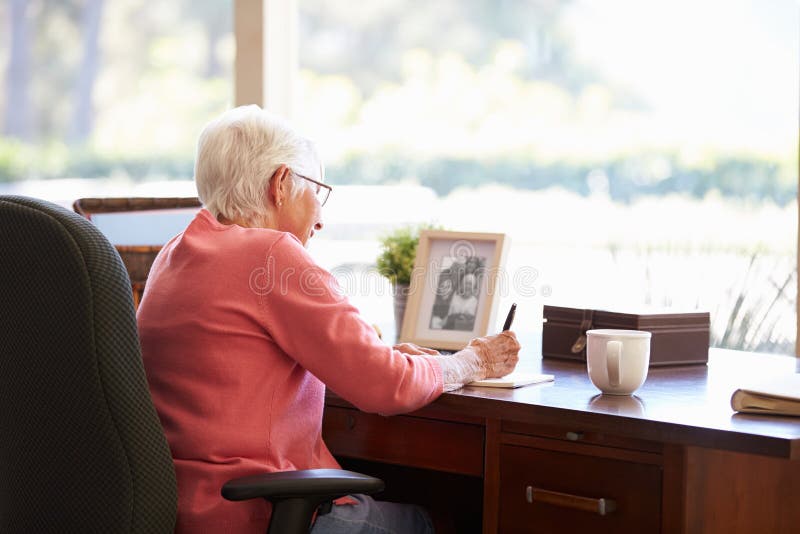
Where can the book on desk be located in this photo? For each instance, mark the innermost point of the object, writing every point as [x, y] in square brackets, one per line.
[778, 396]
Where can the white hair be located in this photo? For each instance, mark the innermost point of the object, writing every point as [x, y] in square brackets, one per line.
[238, 152]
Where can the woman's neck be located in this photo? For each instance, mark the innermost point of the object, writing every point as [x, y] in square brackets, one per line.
[261, 222]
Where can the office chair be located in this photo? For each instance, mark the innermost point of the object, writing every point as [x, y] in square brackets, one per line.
[81, 446]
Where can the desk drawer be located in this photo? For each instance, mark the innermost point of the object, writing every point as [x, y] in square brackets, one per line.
[546, 491]
[405, 440]
[577, 435]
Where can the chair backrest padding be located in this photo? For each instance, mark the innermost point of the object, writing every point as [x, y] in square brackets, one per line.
[81, 447]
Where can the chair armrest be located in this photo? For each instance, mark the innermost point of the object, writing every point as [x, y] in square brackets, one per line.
[324, 484]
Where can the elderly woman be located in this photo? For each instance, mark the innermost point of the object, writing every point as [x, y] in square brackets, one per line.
[241, 332]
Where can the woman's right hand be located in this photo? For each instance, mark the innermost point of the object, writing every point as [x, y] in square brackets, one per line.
[496, 355]
[483, 357]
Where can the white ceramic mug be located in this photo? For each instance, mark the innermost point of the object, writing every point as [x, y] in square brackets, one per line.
[617, 359]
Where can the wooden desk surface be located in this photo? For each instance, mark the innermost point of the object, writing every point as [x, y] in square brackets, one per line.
[686, 405]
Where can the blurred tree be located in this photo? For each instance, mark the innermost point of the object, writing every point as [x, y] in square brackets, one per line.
[83, 118]
[55, 55]
[58, 51]
[215, 18]
[17, 108]
[366, 43]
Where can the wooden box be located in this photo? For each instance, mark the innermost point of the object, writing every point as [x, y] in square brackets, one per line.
[678, 338]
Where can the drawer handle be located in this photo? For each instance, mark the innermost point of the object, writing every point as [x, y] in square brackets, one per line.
[598, 506]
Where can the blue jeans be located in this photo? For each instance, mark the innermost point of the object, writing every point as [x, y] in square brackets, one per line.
[374, 517]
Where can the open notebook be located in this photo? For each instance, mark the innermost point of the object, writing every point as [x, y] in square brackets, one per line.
[513, 380]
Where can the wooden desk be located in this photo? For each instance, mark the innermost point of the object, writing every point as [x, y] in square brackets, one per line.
[673, 458]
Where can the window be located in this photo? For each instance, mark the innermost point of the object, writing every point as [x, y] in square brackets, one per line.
[637, 153]
[106, 97]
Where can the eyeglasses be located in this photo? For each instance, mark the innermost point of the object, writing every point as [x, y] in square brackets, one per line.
[323, 191]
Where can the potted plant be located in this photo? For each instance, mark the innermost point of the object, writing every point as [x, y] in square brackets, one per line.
[396, 261]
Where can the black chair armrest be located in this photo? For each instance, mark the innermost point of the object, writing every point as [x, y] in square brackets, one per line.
[295, 495]
[328, 483]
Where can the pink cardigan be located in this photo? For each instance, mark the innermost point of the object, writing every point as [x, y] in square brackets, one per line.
[241, 331]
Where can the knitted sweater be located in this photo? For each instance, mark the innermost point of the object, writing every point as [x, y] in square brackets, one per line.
[241, 332]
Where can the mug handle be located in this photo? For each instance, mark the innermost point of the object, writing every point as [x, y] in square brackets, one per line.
[613, 357]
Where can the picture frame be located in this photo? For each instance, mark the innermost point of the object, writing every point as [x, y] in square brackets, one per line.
[453, 294]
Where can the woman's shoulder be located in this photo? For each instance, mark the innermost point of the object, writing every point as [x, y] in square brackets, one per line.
[286, 244]
[286, 251]
[237, 244]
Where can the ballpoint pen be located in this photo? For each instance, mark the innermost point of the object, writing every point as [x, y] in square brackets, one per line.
[510, 317]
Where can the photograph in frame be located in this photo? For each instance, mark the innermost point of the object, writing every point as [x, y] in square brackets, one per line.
[453, 296]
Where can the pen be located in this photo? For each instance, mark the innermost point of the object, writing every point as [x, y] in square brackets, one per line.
[510, 317]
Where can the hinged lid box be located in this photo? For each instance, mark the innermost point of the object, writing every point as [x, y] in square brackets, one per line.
[678, 338]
